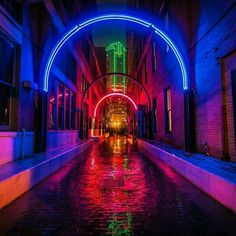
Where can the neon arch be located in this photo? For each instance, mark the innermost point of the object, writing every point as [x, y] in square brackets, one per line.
[117, 74]
[76, 28]
[110, 95]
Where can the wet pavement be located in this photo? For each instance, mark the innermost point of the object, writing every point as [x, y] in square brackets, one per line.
[114, 190]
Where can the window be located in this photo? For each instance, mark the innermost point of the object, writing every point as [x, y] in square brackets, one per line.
[154, 60]
[52, 110]
[73, 111]
[68, 107]
[84, 85]
[168, 115]
[154, 115]
[7, 83]
[60, 107]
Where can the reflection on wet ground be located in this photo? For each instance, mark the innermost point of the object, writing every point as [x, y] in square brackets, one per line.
[115, 191]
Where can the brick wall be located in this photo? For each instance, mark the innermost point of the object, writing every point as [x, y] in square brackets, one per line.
[215, 38]
[228, 65]
[205, 34]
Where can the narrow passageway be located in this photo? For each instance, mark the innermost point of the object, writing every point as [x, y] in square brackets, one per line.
[117, 117]
[115, 190]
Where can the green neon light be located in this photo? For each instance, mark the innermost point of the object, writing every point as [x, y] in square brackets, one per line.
[118, 51]
[118, 226]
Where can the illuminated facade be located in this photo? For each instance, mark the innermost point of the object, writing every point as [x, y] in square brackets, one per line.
[184, 64]
[116, 62]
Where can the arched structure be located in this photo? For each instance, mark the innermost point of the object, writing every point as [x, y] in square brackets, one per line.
[103, 77]
[118, 74]
[78, 27]
[111, 95]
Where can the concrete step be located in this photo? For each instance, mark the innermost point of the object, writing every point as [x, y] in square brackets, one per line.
[18, 177]
[215, 177]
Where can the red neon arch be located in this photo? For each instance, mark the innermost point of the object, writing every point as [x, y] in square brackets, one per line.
[114, 94]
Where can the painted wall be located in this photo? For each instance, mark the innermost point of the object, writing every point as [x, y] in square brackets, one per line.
[14, 144]
[59, 138]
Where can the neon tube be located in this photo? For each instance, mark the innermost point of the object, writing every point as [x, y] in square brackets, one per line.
[115, 17]
[177, 54]
[94, 20]
[54, 53]
[114, 94]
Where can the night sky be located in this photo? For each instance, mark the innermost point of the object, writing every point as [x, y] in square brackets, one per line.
[109, 32]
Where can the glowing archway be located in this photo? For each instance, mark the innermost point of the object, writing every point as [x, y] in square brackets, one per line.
[114, 94]
[116, 74]
[78, 27]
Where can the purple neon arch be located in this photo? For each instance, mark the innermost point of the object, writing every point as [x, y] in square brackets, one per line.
[110, 95]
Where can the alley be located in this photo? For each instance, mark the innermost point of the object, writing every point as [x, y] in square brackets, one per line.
[114, 190]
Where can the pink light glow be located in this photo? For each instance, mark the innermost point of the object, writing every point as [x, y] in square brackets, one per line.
[114, 94]
[60, 95]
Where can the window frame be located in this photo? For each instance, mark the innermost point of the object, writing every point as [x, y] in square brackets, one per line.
[168, 111]
[154, 59]
[13, 104]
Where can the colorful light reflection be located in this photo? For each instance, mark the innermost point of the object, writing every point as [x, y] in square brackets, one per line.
[113, 185]
[75, 29]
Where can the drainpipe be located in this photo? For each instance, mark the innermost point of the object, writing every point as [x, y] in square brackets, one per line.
[23, 144]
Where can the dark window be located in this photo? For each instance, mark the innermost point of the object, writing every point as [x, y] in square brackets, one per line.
[154, 60]
[5, 95]
[154, 115]
[65, 108]
[52, 110]
[73, 111]
[60, 107]
[84, 85]
[67, 99]
[7, 83]
[7, 54]
[168, 114]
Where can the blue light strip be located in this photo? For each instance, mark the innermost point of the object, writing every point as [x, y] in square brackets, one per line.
[54, 52]
[115, 17]
[177, 54]
[136, 20]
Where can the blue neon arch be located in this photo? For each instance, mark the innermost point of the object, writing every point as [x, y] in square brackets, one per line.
[76, 28]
